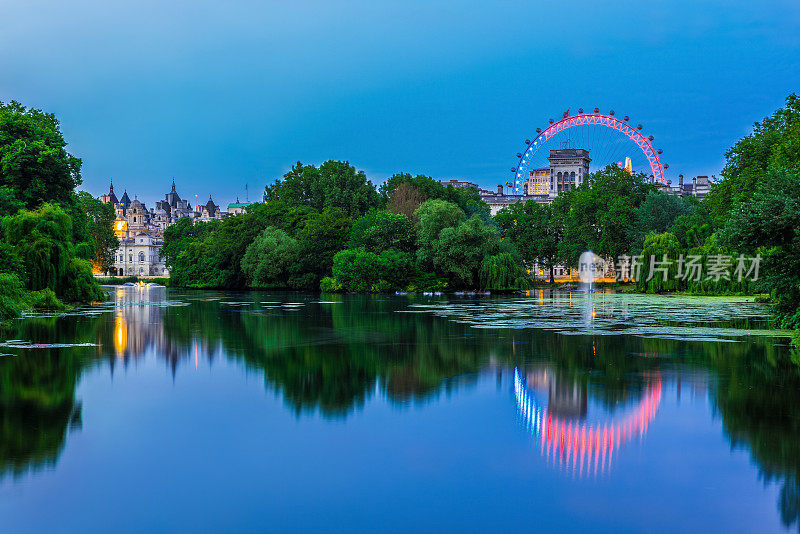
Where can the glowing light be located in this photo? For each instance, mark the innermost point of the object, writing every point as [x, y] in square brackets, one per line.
[120, 335]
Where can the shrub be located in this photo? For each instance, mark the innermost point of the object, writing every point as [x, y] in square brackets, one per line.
[11, 296]
[330, 285]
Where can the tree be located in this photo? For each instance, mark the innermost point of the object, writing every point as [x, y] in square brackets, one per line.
[459, 251]
[466, 198]
[379, 230]
[34, 162]
[600, 214]
[656, 246]
[361, 270]
[335, 184]
[405, 199]
[100, 218]
[323, 235]
[271, 259]
[9, 203]
[773, 145]
[433, 216]
[43, 241]
[535, 231]
[768, 224]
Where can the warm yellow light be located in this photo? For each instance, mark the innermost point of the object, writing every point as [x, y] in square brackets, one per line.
[120, 335]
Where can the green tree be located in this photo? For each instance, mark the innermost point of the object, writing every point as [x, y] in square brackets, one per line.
[9, 203]
[271, 259]
[769, 224]
[657, 213]
[323, 235]
[334, 184]
[100, 219]
[460, 251]
[362, 270]
[43, 241]
[657, 276]
[773, 145]
[535, 231]
[405, 185]
[380, 230]
[433, 216]
[601, 212]
[34, 162]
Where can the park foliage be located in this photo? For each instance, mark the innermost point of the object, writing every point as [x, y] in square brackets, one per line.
[329, 227]
[51, 236]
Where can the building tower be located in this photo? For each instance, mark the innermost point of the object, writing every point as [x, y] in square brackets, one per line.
[569, 167]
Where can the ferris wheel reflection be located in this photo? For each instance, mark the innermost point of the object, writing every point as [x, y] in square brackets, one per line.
[580, 445]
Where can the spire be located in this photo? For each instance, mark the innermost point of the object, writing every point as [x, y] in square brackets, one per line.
[111, 189]
[173, 184]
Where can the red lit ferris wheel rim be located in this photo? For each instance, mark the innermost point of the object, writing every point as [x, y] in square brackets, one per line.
[593, 119]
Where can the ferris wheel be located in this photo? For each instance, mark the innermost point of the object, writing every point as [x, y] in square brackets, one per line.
[607, 139]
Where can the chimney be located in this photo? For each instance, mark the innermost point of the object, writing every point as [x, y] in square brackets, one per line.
[500, 189]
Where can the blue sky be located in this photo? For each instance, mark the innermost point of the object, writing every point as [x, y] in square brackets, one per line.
[223, 94]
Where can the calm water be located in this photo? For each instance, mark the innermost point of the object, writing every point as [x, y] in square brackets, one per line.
[250, 412]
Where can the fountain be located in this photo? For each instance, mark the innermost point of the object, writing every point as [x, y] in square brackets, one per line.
[590, 268]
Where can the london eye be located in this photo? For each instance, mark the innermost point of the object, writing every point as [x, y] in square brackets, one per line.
[608, 139]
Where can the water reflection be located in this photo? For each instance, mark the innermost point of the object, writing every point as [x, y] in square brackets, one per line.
[584, 398]
[576, 444]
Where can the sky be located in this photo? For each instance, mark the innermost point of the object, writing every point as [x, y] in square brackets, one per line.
[227, 95]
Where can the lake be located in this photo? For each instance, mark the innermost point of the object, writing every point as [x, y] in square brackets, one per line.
[176, 411]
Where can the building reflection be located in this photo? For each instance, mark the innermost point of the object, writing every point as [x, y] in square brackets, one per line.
[139, 327]
[567, 434]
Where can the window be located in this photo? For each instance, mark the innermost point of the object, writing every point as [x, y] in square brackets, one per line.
[130, 257]
[141, 256]
[141, 271]
[134, 219]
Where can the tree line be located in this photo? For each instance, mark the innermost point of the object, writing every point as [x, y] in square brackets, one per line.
[51, 235]
[329, 227]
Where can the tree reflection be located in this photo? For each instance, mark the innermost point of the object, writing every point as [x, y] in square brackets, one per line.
[331, 357]
[37, 408]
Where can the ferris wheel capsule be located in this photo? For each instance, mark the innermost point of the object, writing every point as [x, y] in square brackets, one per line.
[580, 111]
[513, 169]
[597, 110]
[551, 121]
[666, 166]
[638, 126]
[651, 137]
[527, 141]
[538, 130]
[626, 118]
[519, 154]
[660, 151]
[611, 112]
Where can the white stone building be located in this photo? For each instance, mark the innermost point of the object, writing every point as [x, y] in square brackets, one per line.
[138, 255]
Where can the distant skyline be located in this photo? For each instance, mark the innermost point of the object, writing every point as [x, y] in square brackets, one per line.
[222, 95]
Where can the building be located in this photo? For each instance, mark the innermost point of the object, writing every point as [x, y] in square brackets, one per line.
[140, 231]
[169, 210]
[699, 187]
[237, 208]
[139, 255]
[538, 182]
[208, 211]
[569, 167]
